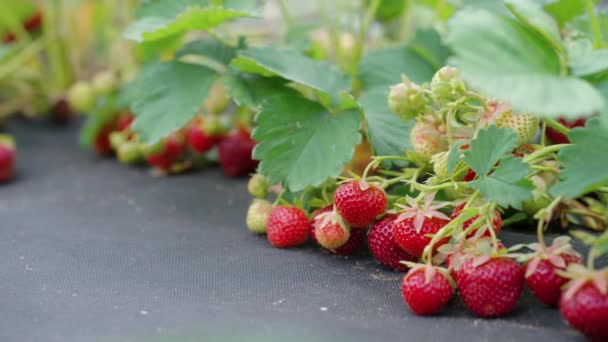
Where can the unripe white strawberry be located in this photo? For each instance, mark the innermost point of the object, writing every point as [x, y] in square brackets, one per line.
[428, 139]
[104, 82]
[440, 167]
[525, 125]
[257, 215]
[540, 199]
[258, 186]
[406, 99]
[446, 84]
[81, 97]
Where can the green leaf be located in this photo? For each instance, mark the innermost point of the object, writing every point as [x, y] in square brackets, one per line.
[490, 145]
[168, 95]
[18, 10]
[512, 63]
[384, 67]
[301, 144]
[209, 48]
[427, 43]
[103, 113]
[167, 18]
[580, 24]
[251, 90]
[293, 66]
[389, 135]
[584, 61]
[533, 16]
[507, 185]
[564, 11]
[585, 161]
[454, 156]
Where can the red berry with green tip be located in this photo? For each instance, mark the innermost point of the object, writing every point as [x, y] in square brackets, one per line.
[492, 288]
[426, 290]
[171, 149]
[329, 231]
[287, 226]
[235, 154]
[382, 245]
[101, 145]
[360, 203]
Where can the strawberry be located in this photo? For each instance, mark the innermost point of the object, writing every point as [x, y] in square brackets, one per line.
[490, 286]
[257, 215]
[7, 158]
[500, 114]
[560, 138]
[459, 252]
[584, 303]
[359, 203]
[440, 167]
[415, 223]
[426, 289]
[258, 186]
[287, 226]
[164, 154]
[129, 152]
[81, 96]
[61, 112]
[496, 222]
[199, 141]
[124, 121]
[34, 22]
[315, 215]
[101, 144]
[357, 236]
[104, 82]
[406, 99]
[235, 154]
[218, 100]
[382, 244]
[428, 139]
[470, 175]
[330, 231]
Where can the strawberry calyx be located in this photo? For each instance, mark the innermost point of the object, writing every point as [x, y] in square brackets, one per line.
[581, 276]
[429, 271]
[554, 254]
[421, 211]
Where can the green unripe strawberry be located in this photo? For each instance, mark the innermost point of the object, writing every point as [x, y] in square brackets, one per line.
[257, 215]
[212, 125]
[428, 139]
[258, 186]
[406, 99]
[218, 100]
[525, 125]
[129, 153]
[81, 97]
[104, 82]
[440, 167]
[117, 139]
[540, 199]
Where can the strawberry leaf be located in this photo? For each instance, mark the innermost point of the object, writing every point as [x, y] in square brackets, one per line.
[584, 161]
[511, 62]
[563, 11]
[489, 146]
[584, 61]
[383, 67]
[301, 144]
[18, 10]
[167, 96]
[163, 18]
[533, 16]
[454, 156]
[292, 65]
[251, 90]
[387, 132]
[208, 48]
[507, 185]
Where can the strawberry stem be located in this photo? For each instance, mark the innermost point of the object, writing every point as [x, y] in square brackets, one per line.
[594, 24]
[557, 126]
[287, 19]
[543, 152]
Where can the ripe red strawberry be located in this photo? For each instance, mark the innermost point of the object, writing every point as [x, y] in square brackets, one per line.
[287, 226]
[426, 289]
[470, 175]
[359, 203]
[382, 244]
[124, 121]
[496, 222]
[7, 158]
[330, 230]
[584, 305]
[542, 279]
[200, 141]
[101, 144]
[34, 22]
[61, 112]
[235, 154]
[415, 223]
[560, 138]
[490, 288]
[357, 236]
[460, 252]
[166, 153]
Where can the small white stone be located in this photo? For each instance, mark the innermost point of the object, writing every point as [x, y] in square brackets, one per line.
[323, 308]
[143, 312]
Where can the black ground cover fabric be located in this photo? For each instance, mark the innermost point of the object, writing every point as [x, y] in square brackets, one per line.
[91, 250]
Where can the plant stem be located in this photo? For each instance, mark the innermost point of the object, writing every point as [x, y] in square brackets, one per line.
[543, 151]
[17, 61]
[594, 24]
[287, 19]
[557, 126]
[365, 24]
